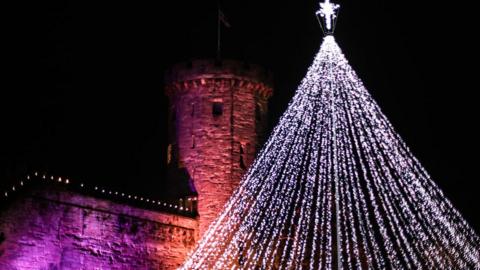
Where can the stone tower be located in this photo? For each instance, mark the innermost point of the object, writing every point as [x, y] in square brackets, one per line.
[218, 112]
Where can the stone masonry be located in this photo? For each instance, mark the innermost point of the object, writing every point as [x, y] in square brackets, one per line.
[218, 112]
[52, 229]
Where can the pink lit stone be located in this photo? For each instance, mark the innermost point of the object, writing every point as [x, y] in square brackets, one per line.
[217, 148]
[52, 229]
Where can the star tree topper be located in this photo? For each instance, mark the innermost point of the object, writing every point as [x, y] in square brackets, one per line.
[327, 16]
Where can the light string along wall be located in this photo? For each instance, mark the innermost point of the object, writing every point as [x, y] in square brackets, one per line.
[180, 205]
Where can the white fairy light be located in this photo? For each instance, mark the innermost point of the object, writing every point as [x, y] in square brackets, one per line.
[82, 185]
[335, 187]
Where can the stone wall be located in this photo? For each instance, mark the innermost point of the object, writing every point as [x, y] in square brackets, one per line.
[58, 229]
[218, 112]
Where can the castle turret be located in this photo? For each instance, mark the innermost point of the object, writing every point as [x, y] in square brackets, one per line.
[218, 113]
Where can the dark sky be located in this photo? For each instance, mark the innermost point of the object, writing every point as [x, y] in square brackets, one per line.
[82, 89]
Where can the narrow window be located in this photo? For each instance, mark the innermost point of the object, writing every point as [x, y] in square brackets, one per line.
[242, 163]
[242, 156]
[193, 141]
[217, 109]
[169, 154]
[193, 110]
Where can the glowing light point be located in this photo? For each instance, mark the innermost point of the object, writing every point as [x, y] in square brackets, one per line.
[327, 16]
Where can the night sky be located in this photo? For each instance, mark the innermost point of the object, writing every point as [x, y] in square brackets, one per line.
[82, 89]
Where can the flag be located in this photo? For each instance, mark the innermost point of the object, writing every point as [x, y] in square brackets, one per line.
[223, 18]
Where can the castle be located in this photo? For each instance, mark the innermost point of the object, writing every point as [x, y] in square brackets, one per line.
[217, 118]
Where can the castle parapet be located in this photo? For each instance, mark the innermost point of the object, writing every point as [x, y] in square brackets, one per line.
[190, 75]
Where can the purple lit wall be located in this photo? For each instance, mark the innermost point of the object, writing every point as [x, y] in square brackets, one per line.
[56, 229]
[218, 116]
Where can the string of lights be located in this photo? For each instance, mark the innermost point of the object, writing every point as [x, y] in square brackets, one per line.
[178, 205]
[335, 187]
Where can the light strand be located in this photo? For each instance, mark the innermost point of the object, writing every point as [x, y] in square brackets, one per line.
[335, 187]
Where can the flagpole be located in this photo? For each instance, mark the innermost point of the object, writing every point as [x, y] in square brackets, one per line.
[219, 29]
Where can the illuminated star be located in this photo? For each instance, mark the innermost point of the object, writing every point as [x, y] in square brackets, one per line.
[328, 11]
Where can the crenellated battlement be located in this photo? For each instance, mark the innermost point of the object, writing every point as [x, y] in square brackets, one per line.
[210, 73]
